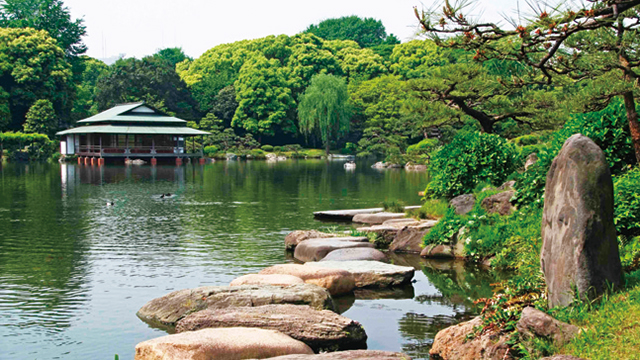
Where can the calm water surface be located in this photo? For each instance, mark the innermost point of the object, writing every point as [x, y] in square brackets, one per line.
[73, 271]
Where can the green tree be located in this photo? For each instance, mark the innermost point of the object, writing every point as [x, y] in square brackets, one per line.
[49, 15]
[592, 43]
[32, 67]
[41, 119]
[172, 55]
[265, 100]
[324, 109]
[366, 32]
[152, 80]
[84, 104]
[224, 105]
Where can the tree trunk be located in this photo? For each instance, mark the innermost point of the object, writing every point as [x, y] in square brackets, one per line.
[327, 148]
[486, 122]
[634, 125]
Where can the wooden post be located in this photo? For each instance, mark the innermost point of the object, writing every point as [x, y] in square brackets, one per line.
[153, 144]
[154, 161]
[126, 144]
[79, 160]
[178, 161]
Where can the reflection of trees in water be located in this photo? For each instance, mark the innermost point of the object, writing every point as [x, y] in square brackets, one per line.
[419, 330]
[460, 283]
[43, 265]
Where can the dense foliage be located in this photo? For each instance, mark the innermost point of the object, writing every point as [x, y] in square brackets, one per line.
[21, 146]
[470, 159]
[367, 32]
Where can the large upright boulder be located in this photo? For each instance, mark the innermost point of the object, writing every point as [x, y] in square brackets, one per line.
[580, 249]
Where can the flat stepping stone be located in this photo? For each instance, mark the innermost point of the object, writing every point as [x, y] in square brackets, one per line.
[322, 330]
[367, 254]
[347, 215]
[377, 218]
[349, 355]
[371, 273]
[296, 237]
[336, 281]
[401, 222]
[167, 310]
[226, 343]
[257, 279]
[317, 249]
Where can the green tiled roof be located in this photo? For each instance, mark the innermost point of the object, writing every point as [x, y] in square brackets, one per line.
[122, 113]
[134, 130]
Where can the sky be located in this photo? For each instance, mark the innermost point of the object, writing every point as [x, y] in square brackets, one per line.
[141, 27]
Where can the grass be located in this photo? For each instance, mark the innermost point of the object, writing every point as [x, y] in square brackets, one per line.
[394, 206]
[431, 209]
[610, 327]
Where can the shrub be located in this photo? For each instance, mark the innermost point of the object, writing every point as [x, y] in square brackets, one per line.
[278, 149]
[431, 209]
[533, 138]
[468, 160]
[395, 206]
[257, 154]
[267, 148]
[21, 146]
[349, 149]
[314, 153]
[211, 150]
[445, 230]
[294, 148]
[608, 128]
[423, 147]
[627, 204]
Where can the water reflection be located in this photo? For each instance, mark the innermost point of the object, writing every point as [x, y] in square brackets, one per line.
[73, 271]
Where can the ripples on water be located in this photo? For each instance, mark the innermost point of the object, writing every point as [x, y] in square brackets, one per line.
[73, 271]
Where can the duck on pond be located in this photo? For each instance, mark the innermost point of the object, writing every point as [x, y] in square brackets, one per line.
[350, 165]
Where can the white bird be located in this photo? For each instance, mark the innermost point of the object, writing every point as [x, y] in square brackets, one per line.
[350, 165]
[110, 203]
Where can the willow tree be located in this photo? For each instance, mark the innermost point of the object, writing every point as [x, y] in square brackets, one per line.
[324, 110]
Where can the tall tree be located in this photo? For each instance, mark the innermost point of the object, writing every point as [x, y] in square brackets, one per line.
[323, 110]
[41, 119]
[593, 42]
[172, 55]
[366, 32]
[49, 15]
[151, 80]
[32, 67]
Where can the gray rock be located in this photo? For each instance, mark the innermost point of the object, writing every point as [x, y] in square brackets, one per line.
[336, 281]
[295, 237]
[367, 254]
[377, 218]
[531, 160]
[349, 355]
[437, 251]
[499, 203]
[452, 343]
[379, 165]
[167, 310]
[317, 249]
[409, 239]
[227, 343]
[508, 185]
[534, 322]
[580, 248]
[463, 203]
[371, 273]
[321, 330]
[384, 232]
[231, 156]
[400, 223]
[410, 167]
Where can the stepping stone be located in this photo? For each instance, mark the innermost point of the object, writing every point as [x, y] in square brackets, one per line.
[295, 237]
[367, 254]
[336, 281]
[321, 330]
[349, 355]
[317, 249]
[227, 343]
[257, 279]
[167, 310]
[377, 218]
[347, 215]
[371, 273]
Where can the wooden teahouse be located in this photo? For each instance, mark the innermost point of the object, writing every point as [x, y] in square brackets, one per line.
[130, 131]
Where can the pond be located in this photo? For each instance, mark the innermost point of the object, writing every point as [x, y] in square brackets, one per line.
[74, 271]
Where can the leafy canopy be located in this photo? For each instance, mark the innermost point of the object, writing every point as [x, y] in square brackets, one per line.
[366, 32]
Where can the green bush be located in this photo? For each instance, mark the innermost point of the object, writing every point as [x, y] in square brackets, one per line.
[608, 128]
[21, 146]
[445, 230]
[257, 154]
[395, 206]
[267, 148]
[211, 150]
[627, 204]
[630, 254]
[533, 138]
[423, 147]
[278, 149]
[313, 153]
[349, 149]
[471, 158]
[431, 209]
